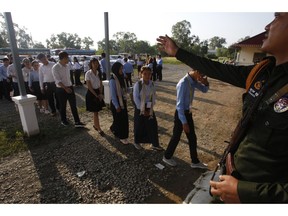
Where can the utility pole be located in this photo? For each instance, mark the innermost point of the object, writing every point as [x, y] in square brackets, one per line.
[24, 102]
[108, 67]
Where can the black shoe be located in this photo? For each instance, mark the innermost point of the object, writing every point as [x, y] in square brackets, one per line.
[99, 131]
[79, 125]
[65, 123]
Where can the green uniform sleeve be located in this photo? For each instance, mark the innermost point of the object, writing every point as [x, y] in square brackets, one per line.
[235, 75]
[252, 192]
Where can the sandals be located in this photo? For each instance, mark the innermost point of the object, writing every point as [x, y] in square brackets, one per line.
[99, 131]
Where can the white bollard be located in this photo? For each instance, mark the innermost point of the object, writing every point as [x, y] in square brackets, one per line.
[27, 113]
[107, 96]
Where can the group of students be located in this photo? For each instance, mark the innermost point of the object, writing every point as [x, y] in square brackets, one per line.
[48, 81]
[145, 121]
[155, 64]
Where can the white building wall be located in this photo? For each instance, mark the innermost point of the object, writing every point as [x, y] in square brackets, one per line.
[245, 55]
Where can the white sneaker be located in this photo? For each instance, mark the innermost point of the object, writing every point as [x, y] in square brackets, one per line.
[199, 165]
[124, 141]
[137, 146]
[170, 161]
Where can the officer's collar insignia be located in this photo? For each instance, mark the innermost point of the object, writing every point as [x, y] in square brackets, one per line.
[258, 85]
[281, 105]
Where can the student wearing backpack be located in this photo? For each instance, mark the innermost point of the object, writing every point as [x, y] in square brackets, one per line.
[145, 122]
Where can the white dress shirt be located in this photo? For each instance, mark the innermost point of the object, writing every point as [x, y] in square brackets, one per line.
[11, 71]
[61, 74]
[45, 74]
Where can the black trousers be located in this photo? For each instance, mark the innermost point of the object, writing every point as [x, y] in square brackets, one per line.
[2, 90]
[16, 91]
[104, 76]
[7, 87]
[159, 72]
[77, 74]
[63, 97]
[128, 79]
[50, 92]
[177, 131]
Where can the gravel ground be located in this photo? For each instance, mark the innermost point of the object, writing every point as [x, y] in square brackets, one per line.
[68, 165]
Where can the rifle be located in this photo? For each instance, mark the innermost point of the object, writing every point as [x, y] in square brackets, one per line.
[226, 165]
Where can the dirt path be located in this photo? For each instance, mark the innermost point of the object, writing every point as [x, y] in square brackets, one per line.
[114, 173]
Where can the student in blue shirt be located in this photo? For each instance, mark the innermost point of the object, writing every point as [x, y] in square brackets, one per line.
[159, 67]
[4, 81]
[118, 104]
[183, 117]
[103, 65]
[127, 70]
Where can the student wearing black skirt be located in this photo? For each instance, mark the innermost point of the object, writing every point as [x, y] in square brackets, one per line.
[94, 95]
[118, 104]
[34, 86]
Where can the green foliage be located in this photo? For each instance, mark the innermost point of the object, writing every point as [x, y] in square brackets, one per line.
[144, 47]
[216, 42]
[211, 56]
[64, 40]
[181, 33]
[23, 39]
[125, 41]
[87, 42]
[171, 60]
[113, 49]
[38, 45]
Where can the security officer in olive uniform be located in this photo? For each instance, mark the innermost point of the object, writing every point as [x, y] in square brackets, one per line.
[261, 159]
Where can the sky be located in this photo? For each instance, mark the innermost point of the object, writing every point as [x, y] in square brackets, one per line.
[146, 19]
[231, 26]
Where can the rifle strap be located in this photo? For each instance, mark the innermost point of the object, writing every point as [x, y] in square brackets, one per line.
[277, 95]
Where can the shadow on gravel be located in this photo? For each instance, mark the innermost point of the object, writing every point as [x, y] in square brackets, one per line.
[79, 166]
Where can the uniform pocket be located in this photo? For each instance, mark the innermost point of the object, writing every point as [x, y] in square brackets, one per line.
[276, 127]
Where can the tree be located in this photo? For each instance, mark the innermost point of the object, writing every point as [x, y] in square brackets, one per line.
[125, 41]
[87, 41]
[38, 45]
[112, 45]
[23, 39]
[181, 34]
[216, 42]
[143, 47]
[64, 40]
[242, 39]
[4, 42]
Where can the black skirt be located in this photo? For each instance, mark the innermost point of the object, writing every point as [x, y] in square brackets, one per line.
[37, 91]
[93, 104]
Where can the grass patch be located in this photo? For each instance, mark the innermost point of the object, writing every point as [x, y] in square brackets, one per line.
[171, 60]
[13, 140]
[11, 143]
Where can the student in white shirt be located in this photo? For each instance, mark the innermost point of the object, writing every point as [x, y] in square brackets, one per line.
[94, 95]
[64, 90]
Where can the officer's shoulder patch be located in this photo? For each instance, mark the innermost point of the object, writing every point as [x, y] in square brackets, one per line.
[281, 105]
